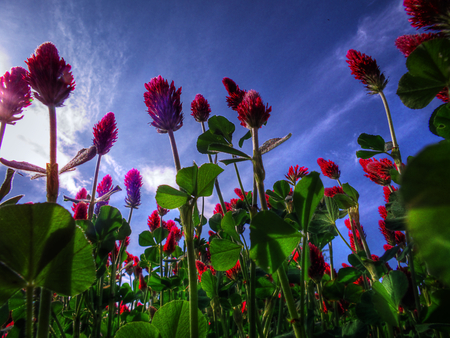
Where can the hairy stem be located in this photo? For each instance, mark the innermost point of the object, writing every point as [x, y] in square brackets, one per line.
[94, 187]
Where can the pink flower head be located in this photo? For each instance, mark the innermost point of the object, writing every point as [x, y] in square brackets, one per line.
[365, 69]
[49, 76]
[240, 194]
[408, 43]
[387, 247]
[142, 282]
[218, 208]
[234, 271]
[251, 111]
[169, 225]
[317, 267]
[15, 95]
[295, 173]
[200, 108]
[201, 268]
[177, 233]
[400, 238]
[171, 244]
[105, 133]
[330, 192]
[103, 188]
[133, 183]
[329, 168]
[296, 256]
[382, 211]
[426, 13]
[164, 106]
[161, 211]
[387, 192]
[352, 240]
[81, 194]
[236, 95]
[80, 211]
[377, 170]
[153, 221]
[389, 235]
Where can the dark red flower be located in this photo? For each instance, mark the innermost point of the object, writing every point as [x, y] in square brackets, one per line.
[236, 95]
[408, 43]
[400, 238]
[103, 188]
[382, 211]
[317, 267]
[329, 168]
[218, 208]
[142, 283]
[133, 183]
[234, 271]
[365, 69]
[161, 211]
[15, 95]
[296, 256]
[153, 221]
[295, 173]
[251, 111]
[387, 192]
[164, 106]
[328, 270]
[386, 247]
[389, 235]
[49, 76]
[201, 268]
[377, 170]
[330, 192]
[105, 133]
[240, 194]
[443, 95]
[426, 13]
[81, 194]
[80, 211]
[169, 225]
[171, 243]
[200, 108]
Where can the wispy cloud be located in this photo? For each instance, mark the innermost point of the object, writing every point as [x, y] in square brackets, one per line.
[155, 175]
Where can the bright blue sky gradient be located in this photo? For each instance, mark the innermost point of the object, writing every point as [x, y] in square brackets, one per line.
[291, 52]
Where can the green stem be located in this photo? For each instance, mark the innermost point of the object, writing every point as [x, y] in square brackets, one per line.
[280, 313]
[176, 158]
[241, 186]
[44, 313]
[52, 167]
[76, 322]
[112, 295]
[251, 303]
[60, 328]
[2, 132]
[303, 283]
[29, 324]
[333, 276]
[297, 322]
[94, 187]
[413, 274]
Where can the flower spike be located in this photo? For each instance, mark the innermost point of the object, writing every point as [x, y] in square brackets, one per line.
[236, 95]
[252, 112]
[329, 169]
[133, 183]
[105, 134]
[200, 108]
[15, 95]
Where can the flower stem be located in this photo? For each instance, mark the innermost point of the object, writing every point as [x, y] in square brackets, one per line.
[413, 275]
[44, 312]
[176, 158]
[112, 303]
[2, 132]
[29, 324]
[94, 187]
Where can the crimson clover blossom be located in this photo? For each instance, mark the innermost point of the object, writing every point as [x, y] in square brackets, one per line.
[15, 95]
[105, 133]
[133, 183]
[200, 108]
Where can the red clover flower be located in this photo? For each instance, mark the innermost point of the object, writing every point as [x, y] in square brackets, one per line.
[236, 95]
[329, 169]
[200, 108]
[105, 133]
[171, 243]
[164, 106]
[133, 183]
[81, 211]
[81, 194]
[161, 211]
[15, 95]
[426, 14]
[377, 170]
[295, 173]
[365, 69]
[153, 221]
[408, 43]
[251, 111]
[317, 268]
[49, 76]
[102, 188]
[330, 192]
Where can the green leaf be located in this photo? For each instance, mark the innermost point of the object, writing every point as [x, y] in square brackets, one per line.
[384, 304]
[41, 244]
[137, 329]
[170, 198]
[389, 254]
[365, 154]
[227, 149]
[234, 160]
[206, 139]
[124, 231]
[207, 175]
[219, 125]
[272, 240]
[172, 320]
[353, 293]
[350, 191]
[12, 201]
[354, 329]
[396, 285]
[209, 284]
[160, 234]
[187, 179]
[224, 254]
[348, 275]
[396, 224]
[7, 183]
[146, 238]
[333, 290]
[264, 288]
[108, 220]
[152, 254]
[374, 142]
[437, 312]
[229, 226]
[282, 188]
[441, 121]
[365, 310]
[273, 143]
[429, 67]
[214, 222]
[307, 195]
[247, 136]
[344, 201]
[425, 188]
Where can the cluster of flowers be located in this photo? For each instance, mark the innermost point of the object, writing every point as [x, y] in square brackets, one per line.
[155, 220]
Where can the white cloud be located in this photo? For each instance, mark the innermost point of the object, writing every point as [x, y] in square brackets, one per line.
[155, 175]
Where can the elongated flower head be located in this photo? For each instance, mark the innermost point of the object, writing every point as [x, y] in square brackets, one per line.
[236, 95]
[317, 268]
[161, 211]
[330, 192]
[295, 173]
[133, 183]
[200, 108]
[102, 188]
[80, 211]
[389, 235]
[218, 208]
[81, 194]
[427, 14]
[234, 271]
[153, 221]
[50, 76]
[377, 170]
[163, 105]
[105, 133]
[251, 111]
[387, 193]
[329, 169]
[365, 69]
[169, 225]
[382, 211]
[408, 43]
[171, 244]
[15, 95]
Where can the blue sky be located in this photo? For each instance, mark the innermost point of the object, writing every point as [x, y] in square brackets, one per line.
[291, 52]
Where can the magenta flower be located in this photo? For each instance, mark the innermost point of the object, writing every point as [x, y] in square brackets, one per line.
[133, 183]
[103, 188]
[153, 221]
[426, 13]
[50, 76]
[251, 111]
[81, 194]
[163, 103]
[382, 211]
[161, 211]
[200, 108]
[218, 208]
[317, 267]
[295, 173]
[236, 95]
[389, 235]
[329, 169]
[330, 192]
[365, 69]
[377, 170]
[105, 133]
[171, 244]
[408, 43]
[81, 211]
[387, 193]
[15, 95]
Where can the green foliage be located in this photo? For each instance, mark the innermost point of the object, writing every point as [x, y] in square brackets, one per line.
[440, 121]
[170, 198]
[138, 329]
[224, 254]
[307, 195]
